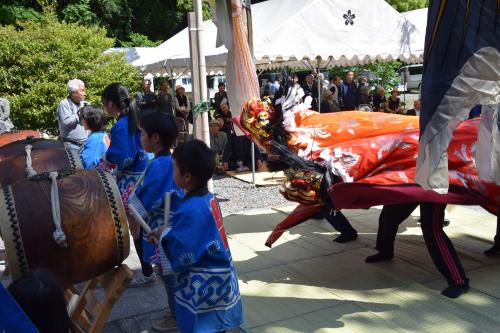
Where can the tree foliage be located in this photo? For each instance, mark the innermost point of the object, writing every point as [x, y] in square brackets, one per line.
[407, 5]
[386, 73]
[37, 59]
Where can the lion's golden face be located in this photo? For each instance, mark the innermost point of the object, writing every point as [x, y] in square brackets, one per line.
[256, 118]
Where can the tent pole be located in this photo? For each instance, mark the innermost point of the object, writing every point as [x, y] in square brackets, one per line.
[318, 102]
[248, 17]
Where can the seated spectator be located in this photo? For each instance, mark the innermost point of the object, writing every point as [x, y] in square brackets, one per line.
[227, 117]
[5, 123]
[41, 297]
[238, 155]
[329, 104]
[218, 142]
[97, 142]
[364, 97]
[393, 104]
[379, 99]
[182, 105]
[416, 109]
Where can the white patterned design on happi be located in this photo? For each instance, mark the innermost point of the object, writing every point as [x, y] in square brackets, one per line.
[207, 289]
[186, 259]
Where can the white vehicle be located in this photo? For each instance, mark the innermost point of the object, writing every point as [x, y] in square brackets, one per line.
[411, 76]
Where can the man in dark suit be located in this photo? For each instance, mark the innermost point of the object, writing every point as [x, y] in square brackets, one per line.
[220, 97]
[416, 109]
[310, 89]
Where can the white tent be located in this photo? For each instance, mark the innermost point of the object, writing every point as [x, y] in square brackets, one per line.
[301, 33]
[418, 18]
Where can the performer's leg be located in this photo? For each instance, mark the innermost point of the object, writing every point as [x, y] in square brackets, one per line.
[340, 223]
[496, 243]
[389, 220]
[441, 249]
[147, 269]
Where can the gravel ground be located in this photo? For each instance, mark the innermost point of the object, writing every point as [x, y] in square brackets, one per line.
[236, 196]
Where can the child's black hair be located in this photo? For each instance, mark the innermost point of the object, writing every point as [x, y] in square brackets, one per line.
[41, 297]
[118, 94]
[196, 158]
[163, 124]
[96, 121]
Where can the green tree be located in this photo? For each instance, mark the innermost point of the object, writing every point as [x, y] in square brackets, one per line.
[186, 6]
[406, 5]
[37, 60]
[386, 73]
[10, 14]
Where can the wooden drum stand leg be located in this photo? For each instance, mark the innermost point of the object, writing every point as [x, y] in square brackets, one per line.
[87, 312]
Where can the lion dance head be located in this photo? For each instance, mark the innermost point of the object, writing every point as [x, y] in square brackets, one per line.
[257, 117]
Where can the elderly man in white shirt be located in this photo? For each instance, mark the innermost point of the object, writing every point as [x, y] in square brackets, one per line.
[70, 126]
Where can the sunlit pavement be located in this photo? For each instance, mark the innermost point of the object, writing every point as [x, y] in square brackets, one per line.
[307, 283]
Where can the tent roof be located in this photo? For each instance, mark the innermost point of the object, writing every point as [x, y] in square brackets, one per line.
[298, 32]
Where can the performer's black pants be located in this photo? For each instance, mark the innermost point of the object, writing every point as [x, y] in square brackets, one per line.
[146, 268]
[339, 222]
[440, 248]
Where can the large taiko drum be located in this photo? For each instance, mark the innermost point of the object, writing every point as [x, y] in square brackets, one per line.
[11, 136]
[22, 159]
[92, 218]
[19, 146]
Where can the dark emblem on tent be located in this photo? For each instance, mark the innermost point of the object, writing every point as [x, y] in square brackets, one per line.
[349, 18]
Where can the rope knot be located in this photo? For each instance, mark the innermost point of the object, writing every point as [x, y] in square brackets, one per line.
[59, 236]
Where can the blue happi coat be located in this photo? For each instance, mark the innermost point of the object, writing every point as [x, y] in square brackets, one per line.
[127, 153]
[149, 196]
[12, 317]
[207, 296]
[94, 149]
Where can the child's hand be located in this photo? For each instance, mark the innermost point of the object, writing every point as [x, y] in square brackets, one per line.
[152, 237]
[155, 235]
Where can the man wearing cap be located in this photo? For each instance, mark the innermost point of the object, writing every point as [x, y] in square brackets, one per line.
[218, 142]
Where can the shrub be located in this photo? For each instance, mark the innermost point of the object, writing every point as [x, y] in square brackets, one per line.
[38, 58]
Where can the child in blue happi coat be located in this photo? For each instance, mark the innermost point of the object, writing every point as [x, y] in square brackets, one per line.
[195, 251]
[158, 134]
[125, 150]
[97, 142]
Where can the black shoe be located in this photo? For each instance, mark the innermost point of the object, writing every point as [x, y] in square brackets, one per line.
[344, 238]
[455, 291]
[379, 257]
[493, 250]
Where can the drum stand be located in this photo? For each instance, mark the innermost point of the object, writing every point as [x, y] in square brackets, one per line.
[89, 312]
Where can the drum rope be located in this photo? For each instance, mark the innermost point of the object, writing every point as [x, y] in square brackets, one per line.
[30, 172]
[58, 235]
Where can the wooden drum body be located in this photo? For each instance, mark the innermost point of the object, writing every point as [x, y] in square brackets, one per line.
[46, 155]
[92, 218]
[8, 137]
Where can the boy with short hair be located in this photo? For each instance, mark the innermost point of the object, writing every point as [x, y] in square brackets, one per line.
[158, 134]
[195, 249]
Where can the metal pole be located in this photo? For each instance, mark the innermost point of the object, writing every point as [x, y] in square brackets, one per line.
[248, 17]
[318, 102]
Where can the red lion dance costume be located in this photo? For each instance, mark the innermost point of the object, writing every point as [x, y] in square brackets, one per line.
[372, 155]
